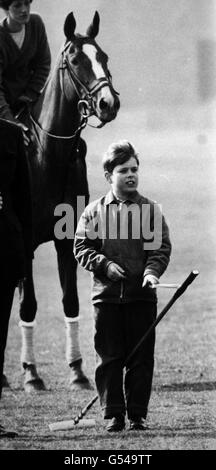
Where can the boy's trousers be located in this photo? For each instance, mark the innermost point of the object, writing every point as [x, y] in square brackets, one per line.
[118, 329]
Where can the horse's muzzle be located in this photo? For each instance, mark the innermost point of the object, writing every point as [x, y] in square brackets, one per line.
[107, 106]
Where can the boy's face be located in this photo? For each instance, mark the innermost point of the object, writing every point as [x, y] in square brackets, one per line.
[124, 178]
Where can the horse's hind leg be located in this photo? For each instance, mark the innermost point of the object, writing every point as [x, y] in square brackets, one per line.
[28, 308]
[67, 267]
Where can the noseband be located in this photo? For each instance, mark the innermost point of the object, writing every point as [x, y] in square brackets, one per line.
[86, 94]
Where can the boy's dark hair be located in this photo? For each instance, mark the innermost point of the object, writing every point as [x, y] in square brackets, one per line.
[5, 4]
[118, 153]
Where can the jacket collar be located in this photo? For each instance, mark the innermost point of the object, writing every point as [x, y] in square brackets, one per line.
[110, 198]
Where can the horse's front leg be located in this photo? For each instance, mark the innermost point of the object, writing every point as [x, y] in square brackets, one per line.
[28, 309]
[67, 267]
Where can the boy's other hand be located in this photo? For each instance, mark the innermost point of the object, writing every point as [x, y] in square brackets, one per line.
[150, 281]
[115, 272]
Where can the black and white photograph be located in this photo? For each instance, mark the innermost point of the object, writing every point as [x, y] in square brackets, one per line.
[107, 230]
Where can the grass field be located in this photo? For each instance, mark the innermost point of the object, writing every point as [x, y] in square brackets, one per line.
[178, 170]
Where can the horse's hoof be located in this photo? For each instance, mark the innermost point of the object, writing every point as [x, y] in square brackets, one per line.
[5, 382]
[35, 385]
[32, 381]
[78, 380]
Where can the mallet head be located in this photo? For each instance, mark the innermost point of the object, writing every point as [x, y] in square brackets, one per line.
[70, 424]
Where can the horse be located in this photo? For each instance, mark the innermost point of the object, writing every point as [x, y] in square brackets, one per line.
[80, 85]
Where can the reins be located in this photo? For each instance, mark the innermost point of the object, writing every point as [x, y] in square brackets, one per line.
[79, 129]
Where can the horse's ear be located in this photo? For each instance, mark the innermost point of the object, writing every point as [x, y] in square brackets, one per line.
[93, 29]
[69, 26]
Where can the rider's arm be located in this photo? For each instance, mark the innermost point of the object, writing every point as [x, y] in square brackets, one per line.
[41, 61]
[5, 111]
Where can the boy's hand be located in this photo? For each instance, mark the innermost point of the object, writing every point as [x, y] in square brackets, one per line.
[115, 272]
[150, 280]
[1, 201]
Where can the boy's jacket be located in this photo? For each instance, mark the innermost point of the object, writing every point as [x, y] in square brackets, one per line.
[133, 234]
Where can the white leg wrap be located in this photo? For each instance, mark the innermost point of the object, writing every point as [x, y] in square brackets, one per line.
[72, 340]
[27, 351]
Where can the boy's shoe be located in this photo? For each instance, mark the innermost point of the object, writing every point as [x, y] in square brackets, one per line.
[116, 424]
[137, 424]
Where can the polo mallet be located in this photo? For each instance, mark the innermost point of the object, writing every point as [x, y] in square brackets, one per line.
[69, 424]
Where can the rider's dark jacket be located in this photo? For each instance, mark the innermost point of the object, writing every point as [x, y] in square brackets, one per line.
[22, 71]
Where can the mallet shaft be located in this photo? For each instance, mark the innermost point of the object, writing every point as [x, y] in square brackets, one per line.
[168, 286]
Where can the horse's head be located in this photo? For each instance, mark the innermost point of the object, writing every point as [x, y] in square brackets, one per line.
[88, 73]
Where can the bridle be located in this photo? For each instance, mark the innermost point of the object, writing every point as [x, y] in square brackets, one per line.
[85, 94]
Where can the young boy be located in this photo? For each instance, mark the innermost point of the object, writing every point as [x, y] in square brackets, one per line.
[113, 241]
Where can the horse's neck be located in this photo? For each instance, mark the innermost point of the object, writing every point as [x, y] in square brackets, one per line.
[53, 112]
